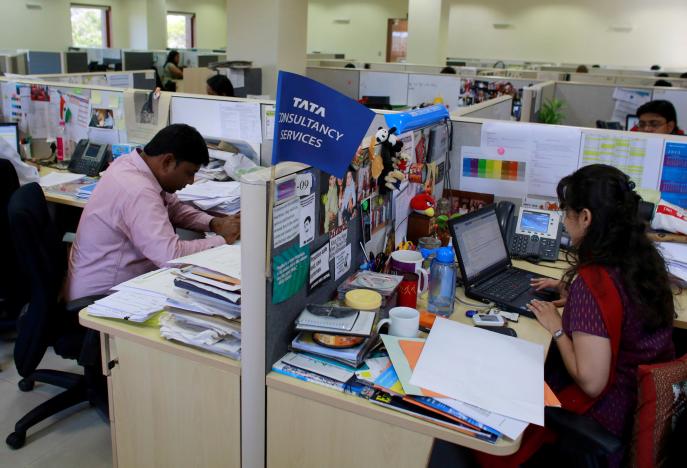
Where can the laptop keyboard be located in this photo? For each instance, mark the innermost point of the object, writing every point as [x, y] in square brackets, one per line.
[505, 287]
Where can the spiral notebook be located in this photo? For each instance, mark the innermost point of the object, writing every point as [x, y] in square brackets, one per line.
[310, 321]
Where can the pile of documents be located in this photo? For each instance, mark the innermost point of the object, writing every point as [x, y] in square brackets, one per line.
[443, 379]
[213, 171]
[220, 197]
[675, 255]
[200, 296]
[85, 192]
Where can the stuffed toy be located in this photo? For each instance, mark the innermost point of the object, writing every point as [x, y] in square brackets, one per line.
[423, 203]
[391, 175]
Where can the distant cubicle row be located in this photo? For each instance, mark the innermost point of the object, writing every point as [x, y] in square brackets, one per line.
[585, 103]
[411, 89]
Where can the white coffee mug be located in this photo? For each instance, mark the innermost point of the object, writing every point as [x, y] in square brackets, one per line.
[410, 261]
[403, 322]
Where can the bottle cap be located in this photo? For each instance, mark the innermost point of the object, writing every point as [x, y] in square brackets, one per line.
[445, 255]
[363, 299]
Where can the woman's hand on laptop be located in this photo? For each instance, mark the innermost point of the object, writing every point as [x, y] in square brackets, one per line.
[547, 314]
[540, 284]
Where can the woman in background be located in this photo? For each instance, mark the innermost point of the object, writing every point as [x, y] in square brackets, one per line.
[171, 71]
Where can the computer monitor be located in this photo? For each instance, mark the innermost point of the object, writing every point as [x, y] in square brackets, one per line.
[9, 133]
[631, 121]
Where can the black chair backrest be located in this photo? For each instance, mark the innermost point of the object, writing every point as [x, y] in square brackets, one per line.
[9, 182]
[11, 291]
[44, 265]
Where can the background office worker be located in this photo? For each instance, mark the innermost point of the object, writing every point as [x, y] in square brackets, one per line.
[127, 227]
[219, 85]
[657, 116]
[171, 71]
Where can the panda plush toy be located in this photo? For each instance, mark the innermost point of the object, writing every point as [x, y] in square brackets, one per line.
[391, 176]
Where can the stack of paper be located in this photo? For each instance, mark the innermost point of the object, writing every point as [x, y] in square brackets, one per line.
[675, 255]
[223, 197]
[213, 171]
[136, 306]
[201, 333]
[57, 178]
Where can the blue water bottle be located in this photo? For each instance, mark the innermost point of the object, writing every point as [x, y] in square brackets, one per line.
[442, 282]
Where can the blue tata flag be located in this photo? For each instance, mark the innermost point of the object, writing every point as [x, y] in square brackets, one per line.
[317, 125]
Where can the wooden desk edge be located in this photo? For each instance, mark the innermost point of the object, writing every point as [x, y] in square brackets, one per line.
[63, 199]
[359, 406]
[202, 357]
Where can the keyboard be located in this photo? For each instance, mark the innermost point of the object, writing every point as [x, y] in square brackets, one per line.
[505, 286]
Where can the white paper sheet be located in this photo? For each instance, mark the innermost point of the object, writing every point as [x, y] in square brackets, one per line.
[495, 372]
[120, 80]
[57, 178]
[553, 151]
[241, 120]
[225, 259]
[285, 221]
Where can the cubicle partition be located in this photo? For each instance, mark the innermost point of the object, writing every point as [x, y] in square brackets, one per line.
[144, 79]
[498, 108]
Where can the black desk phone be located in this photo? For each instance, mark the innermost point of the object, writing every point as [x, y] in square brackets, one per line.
[534, 234]
[90, 158]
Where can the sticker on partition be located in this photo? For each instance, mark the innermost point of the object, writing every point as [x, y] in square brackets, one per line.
[337, 240]
[307, 220]
[285, 221]
[342, 262]
[319, 268]
[285, 190]
[303, 184]
[289, 272]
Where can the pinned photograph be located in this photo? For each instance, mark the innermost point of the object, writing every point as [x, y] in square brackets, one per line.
[146, 106]
[101, 118]
[339, 200]
[39, 93]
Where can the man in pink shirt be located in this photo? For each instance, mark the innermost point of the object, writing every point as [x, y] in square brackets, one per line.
[127, 227]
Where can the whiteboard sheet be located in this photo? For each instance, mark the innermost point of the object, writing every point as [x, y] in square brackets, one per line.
[499, 186]
[394, 85]
[425, 88]
[492, 371]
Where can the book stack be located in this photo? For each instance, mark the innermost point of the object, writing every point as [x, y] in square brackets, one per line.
[330, 347]
[385, 285]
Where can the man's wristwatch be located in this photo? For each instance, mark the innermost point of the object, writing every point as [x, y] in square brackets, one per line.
[557, 334]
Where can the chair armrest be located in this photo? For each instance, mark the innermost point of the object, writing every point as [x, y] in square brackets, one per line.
[76, 305]
[583, 430]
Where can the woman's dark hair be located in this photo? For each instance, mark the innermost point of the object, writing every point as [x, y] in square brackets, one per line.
[616, 238]
[170, 56]
[221, 85]
[665, 109]
[183, 141]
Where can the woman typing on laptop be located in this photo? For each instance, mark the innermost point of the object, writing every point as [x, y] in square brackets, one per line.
[617, 314]
[618, 310]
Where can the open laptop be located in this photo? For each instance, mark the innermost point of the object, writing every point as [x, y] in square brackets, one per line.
[488, 274]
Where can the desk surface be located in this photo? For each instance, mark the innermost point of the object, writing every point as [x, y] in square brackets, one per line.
[62, 198]
[526, 328]
[149, 335]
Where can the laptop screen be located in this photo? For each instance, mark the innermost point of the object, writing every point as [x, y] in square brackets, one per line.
[480, 242]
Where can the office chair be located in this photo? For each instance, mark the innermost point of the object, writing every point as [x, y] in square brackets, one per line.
[583, 442]
[48, 321]
[12, 292]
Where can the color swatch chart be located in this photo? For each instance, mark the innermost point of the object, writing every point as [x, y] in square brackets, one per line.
[494, 169]
[674, 176]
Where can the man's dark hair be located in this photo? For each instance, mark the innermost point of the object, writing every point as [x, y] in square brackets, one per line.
[655, 67]
[664, 83]
[349, 65]
[448, 70]
[683, 75]
[221, 85]
[662, 75]
[183, 141]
